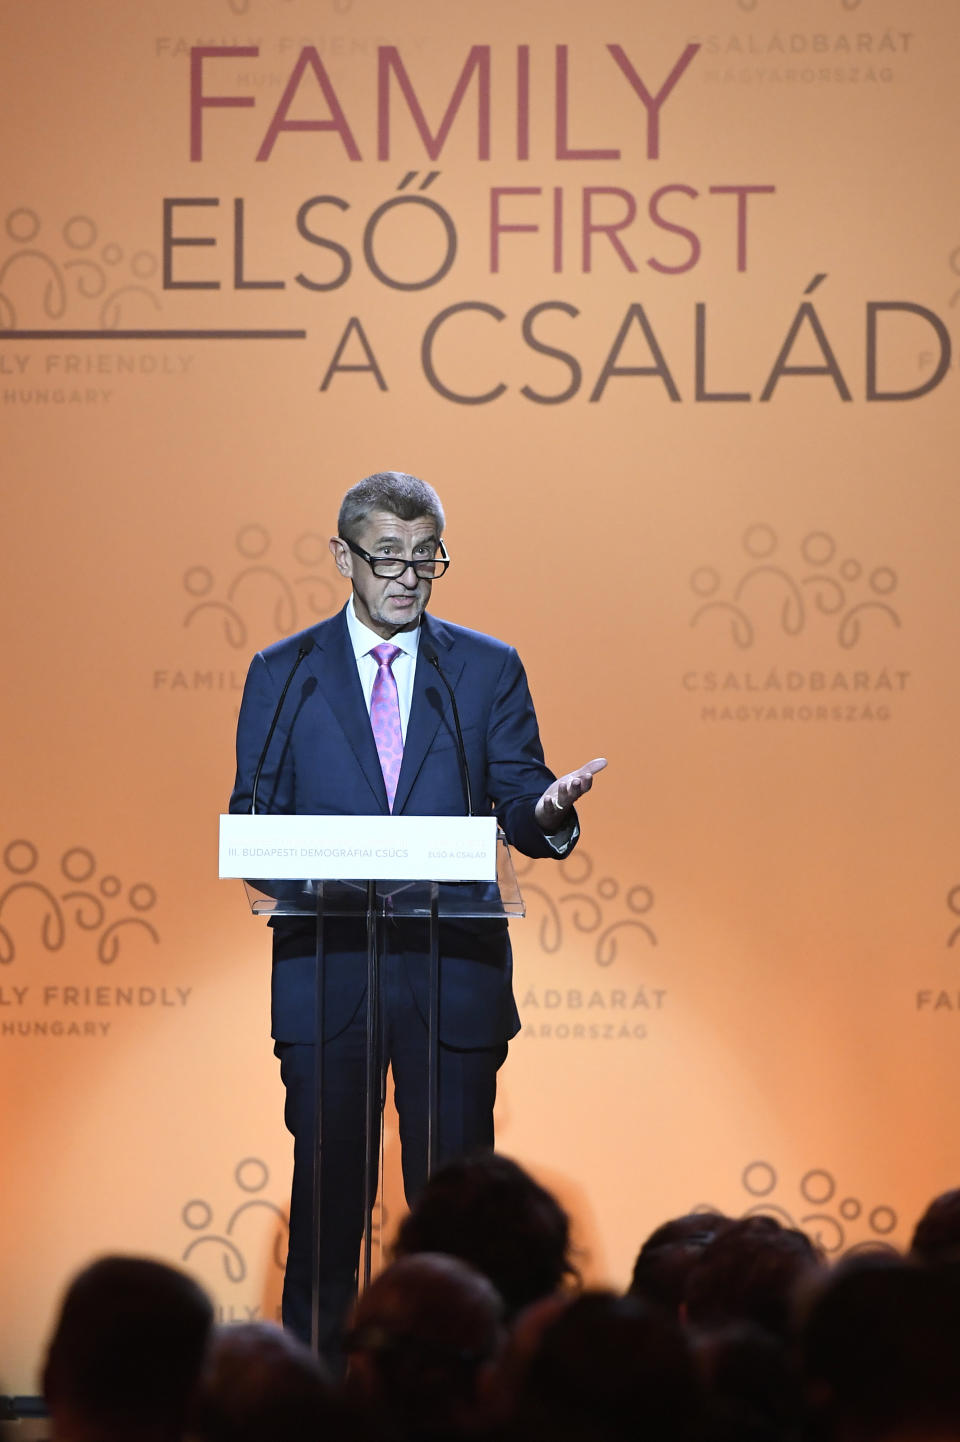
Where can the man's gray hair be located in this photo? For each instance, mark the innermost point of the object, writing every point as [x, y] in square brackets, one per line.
[393, 491]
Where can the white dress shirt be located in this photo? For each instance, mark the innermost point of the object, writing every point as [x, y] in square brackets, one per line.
[404, 668]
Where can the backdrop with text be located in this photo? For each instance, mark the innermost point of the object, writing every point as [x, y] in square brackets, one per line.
[662, 298]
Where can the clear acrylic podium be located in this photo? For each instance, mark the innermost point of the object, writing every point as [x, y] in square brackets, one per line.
[491, 892]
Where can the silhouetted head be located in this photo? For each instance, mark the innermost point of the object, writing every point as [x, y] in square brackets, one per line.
[260, 1382]
[936, 1237]
[126, 1350]
[488, 1211]
[880, 1347]
[669, 1254]
[420, 1337]
[750, 1272]
[751, 1382]
[609, 1368]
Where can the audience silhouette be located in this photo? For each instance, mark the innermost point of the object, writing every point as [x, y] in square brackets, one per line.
[731, 1330]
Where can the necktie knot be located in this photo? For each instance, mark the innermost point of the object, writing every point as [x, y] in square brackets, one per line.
[385, 654]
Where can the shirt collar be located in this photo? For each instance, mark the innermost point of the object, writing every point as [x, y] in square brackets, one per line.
[363, 640]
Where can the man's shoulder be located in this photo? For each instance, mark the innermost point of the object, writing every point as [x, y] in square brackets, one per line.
[449, 635]
[285, 650]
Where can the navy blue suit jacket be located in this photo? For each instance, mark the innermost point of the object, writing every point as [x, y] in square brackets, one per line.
[323, 761]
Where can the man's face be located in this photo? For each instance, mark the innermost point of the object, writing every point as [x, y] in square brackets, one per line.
[397, 603]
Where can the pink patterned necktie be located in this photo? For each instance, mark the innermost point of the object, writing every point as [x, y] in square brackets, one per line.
[385, 718]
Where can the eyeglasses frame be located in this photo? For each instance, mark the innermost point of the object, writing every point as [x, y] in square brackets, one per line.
[443, 560]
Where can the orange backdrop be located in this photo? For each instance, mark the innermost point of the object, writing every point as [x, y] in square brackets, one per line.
[660, 297]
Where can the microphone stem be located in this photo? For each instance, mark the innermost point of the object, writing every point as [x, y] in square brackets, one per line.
[305, 649]
[461, 749]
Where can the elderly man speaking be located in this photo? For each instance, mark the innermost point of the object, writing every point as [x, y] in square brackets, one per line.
[364, 731]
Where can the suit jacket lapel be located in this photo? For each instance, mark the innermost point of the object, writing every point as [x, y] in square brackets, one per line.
[333, 663]
[429, 706]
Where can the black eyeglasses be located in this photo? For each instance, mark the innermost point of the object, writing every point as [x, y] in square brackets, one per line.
[389, 568]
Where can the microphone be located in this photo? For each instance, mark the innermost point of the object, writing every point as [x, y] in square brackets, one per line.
[306, 646]
[429, 653]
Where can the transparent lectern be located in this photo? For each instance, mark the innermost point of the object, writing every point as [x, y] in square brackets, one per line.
[373, 869]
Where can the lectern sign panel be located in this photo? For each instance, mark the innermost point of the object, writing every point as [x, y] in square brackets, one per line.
[359, 848]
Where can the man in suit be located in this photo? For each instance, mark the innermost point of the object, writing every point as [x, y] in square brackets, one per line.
[367, 729]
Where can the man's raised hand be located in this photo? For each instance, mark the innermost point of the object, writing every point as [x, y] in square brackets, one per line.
[553, 809]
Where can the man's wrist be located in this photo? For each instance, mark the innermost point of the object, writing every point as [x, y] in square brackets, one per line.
[562, 840]
[563, 822]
